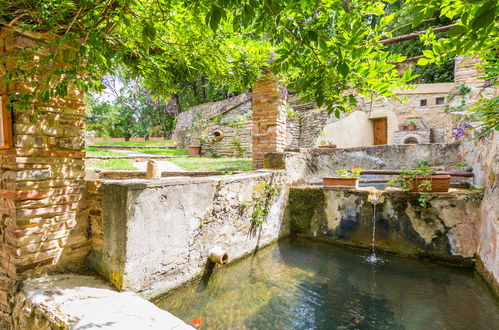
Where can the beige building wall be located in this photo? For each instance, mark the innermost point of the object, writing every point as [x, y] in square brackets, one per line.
[356, 129]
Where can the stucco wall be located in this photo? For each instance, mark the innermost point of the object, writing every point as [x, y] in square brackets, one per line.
[157, 234]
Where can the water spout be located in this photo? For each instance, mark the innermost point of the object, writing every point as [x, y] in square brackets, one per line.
[219, 255]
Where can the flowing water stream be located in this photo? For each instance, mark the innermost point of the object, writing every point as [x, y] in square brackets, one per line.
[373, 258]
[301, 284]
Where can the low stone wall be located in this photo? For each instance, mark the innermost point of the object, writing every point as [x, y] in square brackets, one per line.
[310, 165]
[156, 235]
[132, 139]
[446, 228]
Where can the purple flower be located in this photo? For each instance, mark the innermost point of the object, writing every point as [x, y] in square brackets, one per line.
[465, 125]
[285, 94]
[487, 84]
[458, 133]
[271, 58]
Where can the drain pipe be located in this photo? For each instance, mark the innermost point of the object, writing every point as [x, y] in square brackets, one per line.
[219, 255]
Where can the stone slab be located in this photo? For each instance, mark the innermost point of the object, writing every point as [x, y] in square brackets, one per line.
[87, 302]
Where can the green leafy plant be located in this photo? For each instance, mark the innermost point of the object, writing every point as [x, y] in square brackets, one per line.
[354, 173]
[462, 164]
[406, 177]
[262, 205]
[239, 149]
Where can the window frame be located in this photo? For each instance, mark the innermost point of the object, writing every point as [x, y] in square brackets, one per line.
[6, 122]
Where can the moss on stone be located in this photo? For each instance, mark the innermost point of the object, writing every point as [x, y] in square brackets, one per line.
[302, 204]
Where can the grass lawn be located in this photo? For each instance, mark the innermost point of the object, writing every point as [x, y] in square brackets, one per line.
[163, 152]
[213, 164]
[161, 143]
[93, 151]
[115, 164]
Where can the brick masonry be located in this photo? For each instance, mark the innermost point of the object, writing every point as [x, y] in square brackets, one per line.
[269, 119]
[43, 222]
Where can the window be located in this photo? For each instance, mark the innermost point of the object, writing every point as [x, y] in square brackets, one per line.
[440, 100]
[5, 125]
[423, 103]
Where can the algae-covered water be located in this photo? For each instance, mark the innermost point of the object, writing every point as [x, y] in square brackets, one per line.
[298, 284]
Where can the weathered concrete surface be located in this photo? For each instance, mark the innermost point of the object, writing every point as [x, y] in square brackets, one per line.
[157, 234]
[311, 165]
[85, 302]
[484, 158]
[445, 229]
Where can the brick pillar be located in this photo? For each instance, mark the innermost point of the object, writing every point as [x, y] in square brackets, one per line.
[269, 119]
[42, 225]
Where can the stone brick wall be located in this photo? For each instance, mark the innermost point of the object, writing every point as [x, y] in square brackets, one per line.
[406, 137]
[269, 119]
[42, 222]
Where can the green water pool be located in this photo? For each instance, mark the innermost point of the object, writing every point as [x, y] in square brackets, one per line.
[299, 284]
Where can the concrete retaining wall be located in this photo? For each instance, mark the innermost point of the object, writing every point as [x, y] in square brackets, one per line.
[445, 229]
[157, 234]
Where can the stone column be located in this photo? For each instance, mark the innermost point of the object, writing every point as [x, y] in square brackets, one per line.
[269, 119]
[43, 225]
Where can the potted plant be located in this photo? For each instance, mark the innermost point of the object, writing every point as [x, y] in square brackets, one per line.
[345, 178]
[327, 146]
[194, 150]
[411, 125]
[422, 179]
[402, 127]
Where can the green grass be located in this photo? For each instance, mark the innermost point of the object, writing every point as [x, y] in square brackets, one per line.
[162, 152]
[213, 164]
[93, 151]
[115, 164]
[161, 143]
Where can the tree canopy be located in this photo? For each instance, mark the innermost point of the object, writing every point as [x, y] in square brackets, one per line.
[329, 50]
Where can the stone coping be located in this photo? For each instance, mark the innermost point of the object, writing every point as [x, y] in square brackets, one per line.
[86, 302]
[130, 147]
[185, 180]
[125, 175]
[388, 190]
[316, 150]
[144, 156]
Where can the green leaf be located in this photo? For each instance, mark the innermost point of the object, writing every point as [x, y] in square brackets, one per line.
[484, 16]
[343, 68]
[428, 53]
[215, 17]
[423, 61]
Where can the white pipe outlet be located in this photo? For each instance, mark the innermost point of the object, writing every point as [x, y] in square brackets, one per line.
[219, 255]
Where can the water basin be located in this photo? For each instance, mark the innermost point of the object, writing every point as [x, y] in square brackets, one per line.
[299, 284]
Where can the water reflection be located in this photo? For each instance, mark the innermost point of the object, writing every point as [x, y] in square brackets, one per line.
[308, 285]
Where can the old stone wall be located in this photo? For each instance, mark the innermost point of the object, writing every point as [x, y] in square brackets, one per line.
[232, 117]
[483, 156]
[42, 222]
[157, 234]
[446, 228]
[313, 164]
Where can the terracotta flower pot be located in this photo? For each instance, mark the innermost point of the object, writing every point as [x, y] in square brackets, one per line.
[439, 183]
[194, 150]
[328, 146]
[340, 182]
[401, 127]
[411, 127]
